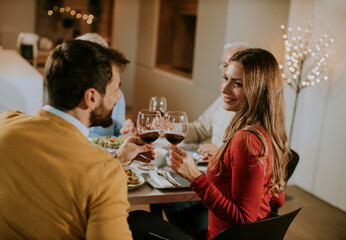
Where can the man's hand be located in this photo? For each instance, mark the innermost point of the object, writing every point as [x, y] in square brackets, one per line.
[128, 128]
[135, 149]
[208, 151]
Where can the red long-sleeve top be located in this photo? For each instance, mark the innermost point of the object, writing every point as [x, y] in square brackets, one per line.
[241, 193]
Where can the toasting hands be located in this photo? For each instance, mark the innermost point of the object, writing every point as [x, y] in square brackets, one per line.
[134, 148]
[183, 164]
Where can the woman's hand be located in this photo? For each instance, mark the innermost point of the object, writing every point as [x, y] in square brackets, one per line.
[183, 164]
[134, 148]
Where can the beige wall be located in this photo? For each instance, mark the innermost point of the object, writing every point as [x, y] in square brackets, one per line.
[124, 37]
[258, 23]
[15, 16]
[319, 134]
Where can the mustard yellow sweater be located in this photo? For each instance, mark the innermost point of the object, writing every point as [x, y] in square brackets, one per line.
[55, 185]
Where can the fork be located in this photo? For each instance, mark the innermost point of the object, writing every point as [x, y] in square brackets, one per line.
[164, 175]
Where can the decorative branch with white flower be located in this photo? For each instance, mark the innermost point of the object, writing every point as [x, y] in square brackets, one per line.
[306, 63]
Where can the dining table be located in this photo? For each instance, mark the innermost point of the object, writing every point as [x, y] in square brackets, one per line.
[147, 194]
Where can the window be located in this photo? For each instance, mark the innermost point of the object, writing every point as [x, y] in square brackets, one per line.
[176, 36]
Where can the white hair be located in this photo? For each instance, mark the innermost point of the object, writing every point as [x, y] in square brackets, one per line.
[234, 46]
[93, 37]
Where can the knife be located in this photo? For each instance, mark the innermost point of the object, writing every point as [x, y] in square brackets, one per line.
[173, 182]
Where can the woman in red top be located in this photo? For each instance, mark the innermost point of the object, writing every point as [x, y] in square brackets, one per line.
[247, 174]
[248, 171]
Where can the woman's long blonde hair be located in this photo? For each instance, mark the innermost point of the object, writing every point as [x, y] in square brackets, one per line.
[264, 106]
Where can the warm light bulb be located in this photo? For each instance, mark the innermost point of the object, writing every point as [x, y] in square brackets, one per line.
[68, 9]
[78, 15]
[73, 12]
[91, 16]
[85, 16]
[89, 21]
[50, 12]
[62, 10]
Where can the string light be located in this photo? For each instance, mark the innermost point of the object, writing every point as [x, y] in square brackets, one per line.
[301, 52]
[89, 18]
[306, 63]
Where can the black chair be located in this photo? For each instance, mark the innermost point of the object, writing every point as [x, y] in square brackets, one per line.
[292, 164]
[273, 228]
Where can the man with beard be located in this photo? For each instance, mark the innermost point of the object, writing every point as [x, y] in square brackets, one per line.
[53, 183]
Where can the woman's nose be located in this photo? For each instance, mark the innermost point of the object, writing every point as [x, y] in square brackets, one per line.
[226, 88]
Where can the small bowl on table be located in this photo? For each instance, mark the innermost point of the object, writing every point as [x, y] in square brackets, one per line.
[160, 159]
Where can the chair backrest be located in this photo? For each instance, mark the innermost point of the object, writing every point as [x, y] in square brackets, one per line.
[292, 164]
[273, 228]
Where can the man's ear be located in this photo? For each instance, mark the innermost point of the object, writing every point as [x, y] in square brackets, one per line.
[91, 98]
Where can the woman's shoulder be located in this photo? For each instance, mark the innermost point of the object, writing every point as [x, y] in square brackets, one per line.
[250, 139]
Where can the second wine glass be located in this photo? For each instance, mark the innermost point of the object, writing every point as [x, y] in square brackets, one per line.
[149, 125]
[175, 125]
[159, 104]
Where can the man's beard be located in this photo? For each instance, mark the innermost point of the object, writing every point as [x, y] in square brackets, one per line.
[101, 117]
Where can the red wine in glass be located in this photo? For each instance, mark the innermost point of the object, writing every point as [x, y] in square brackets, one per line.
[174, 138]
[149, 137]
[149, 125]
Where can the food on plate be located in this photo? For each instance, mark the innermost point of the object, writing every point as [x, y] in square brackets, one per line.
[131, 177]
[107, 142]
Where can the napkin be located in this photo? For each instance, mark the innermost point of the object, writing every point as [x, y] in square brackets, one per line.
[159, 179]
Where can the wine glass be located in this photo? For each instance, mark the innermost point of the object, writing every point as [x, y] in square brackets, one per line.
[149, 125]
[175, 126]
[158, 103]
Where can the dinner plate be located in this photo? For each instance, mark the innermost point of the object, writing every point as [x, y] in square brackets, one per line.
[141, 182]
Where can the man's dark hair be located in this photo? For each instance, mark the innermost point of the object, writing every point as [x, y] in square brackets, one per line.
[77, 65]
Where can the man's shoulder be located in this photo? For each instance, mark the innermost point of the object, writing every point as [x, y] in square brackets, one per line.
[11, 114]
